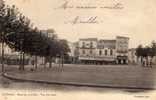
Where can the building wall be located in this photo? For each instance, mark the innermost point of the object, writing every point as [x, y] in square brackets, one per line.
[72, 49]
[88, 43]
[107, 44]
[104, 50]
[122, 46]
[87, 52]
[87, 47]
[48, 32]
[74, 52]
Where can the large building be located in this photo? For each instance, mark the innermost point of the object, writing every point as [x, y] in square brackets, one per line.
[92, 50]
[48, 32]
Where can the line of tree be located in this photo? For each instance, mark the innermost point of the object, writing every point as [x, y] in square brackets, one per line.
[19, 34]
[147, 51]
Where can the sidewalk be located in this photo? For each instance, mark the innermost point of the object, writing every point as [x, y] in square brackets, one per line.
[114, 76]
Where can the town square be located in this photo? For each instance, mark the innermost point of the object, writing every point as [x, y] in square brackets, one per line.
[70, 51]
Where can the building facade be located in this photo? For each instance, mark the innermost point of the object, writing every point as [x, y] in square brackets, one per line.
[94, 51]
[48, 32]
[122, 47]
[73, 54]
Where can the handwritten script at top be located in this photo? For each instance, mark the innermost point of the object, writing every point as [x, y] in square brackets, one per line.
[84, 20]
[84, 5]
[67, 5]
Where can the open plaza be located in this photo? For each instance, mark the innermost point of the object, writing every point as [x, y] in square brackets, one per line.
[111, 76]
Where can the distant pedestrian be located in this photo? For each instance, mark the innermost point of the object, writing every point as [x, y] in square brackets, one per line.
[144, 62]
[32, 62]
[150, 63]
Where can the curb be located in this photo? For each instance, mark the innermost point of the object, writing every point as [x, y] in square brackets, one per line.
[75, 83]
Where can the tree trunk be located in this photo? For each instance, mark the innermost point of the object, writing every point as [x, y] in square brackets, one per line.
[36, 62]
[62, 60]
[151, 61]
[2, 56]
[50, 62]
[147, 61]
[20, 61]
[23, 60]
[44, 62]
[141, 60]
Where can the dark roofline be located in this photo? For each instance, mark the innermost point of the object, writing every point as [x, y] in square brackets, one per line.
[122, 37]
[107, 40]
[89, 39]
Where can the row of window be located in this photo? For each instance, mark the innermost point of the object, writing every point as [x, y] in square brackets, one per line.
[91, 44]
[100, 52]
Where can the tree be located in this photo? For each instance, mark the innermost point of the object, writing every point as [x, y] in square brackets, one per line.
[139, 52]
[13, 28]
[145, 52]
[7, 17]
[2, 14]
[18, 25]
[64, 49]
[153, 50]
[18, 33]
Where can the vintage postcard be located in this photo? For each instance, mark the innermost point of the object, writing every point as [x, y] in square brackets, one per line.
[77, 49]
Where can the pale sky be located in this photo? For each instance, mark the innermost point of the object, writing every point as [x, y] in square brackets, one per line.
[137, 19]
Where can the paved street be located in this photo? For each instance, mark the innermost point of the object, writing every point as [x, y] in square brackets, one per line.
[115, 75]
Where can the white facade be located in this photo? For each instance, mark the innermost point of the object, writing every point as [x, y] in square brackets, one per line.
[72, 49]
[73, 54]
[87, 47]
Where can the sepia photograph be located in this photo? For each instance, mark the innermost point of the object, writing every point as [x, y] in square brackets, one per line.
[77, 49]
